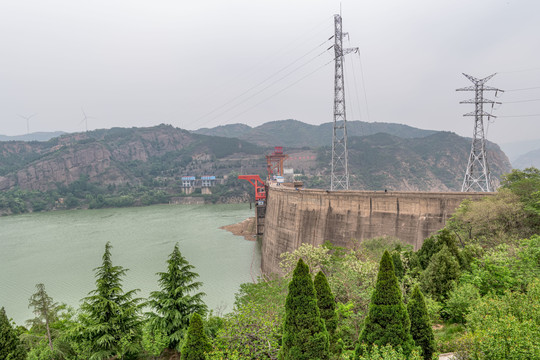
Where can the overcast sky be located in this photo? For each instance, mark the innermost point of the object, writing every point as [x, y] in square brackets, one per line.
[202, 63]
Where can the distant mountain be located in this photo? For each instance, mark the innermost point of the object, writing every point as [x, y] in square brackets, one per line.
[532, 158]
[232, 130]
[293, 133]
[129, 165]
[436, 162]
[515, 149]
[118, 156]
[37, 136]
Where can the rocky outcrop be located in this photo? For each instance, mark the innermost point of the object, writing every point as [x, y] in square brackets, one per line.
[99, 155]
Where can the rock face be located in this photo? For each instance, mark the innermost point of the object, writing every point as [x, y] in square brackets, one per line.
[294, 217]
[101, 155]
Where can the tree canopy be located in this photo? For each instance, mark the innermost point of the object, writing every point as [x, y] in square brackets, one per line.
[177, 300]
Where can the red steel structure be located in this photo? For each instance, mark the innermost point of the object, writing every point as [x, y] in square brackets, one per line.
[256, 181]
[274, 162]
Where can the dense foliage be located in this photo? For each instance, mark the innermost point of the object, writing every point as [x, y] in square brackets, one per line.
[110, 318]
[387, 322]
[304, 334]
[10, 345]
[174, 304]
[327, 307]
[421, 331]
[197, 343]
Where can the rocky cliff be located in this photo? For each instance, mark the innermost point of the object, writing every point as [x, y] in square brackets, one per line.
[111, 157]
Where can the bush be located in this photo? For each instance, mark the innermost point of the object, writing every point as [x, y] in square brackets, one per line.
[460, 301]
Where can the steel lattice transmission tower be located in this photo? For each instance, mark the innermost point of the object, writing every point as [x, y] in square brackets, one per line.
[477, 175]
[340, 163]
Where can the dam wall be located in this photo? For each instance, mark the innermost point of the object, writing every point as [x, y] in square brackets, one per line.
[309, 216]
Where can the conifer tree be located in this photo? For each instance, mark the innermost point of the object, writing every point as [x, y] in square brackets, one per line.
[197, 343]
[110, 317]
[10, 345]
[45, 310]
[441, 274]
[304, 334]
[327, 307]
[398, 265]
[421, 330]
[387, 321]
[176, 301]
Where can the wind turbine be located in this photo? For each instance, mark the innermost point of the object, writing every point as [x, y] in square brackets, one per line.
[27, 118]
[85, 119]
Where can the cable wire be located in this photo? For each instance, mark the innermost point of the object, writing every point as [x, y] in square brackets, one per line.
[280, 91]
[529, 88]
[260, 91]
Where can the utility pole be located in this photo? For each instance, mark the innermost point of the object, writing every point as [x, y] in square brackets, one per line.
[477, 175]
[340, 162]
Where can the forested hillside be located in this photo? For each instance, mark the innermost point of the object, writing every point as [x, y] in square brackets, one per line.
[296, 134]
[139, 166]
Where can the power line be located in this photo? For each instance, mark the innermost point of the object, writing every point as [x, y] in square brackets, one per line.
[259, 91]
[522, 89]
[520, 101]
[262, 82]
[280, 91]
[513, 116]
[313, 32]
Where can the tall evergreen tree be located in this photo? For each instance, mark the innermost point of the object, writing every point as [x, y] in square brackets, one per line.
[197, 343]
[304, 334]
[387, 321]
[441, 274]
[398, 264]
[176, 301]
[45, 310]
[327, 307]
[10, 346]
[421, 330]
[110, 316]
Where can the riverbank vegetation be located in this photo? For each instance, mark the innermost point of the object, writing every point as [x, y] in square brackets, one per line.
[83, 194]
[472, 289]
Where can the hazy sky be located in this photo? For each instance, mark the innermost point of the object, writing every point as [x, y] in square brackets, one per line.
[202, 63]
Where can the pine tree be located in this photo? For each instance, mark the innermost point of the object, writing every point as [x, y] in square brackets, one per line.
[197, 343]
[441, 274]
[327, 307]
[304, 334]
[45, 309]
[398, 264]
[10, 346]
[111, 317]
[175, 302]
[387, 321]
[421, 330]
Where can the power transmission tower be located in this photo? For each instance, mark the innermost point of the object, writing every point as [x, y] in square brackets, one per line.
[340, 162]
[477, 175]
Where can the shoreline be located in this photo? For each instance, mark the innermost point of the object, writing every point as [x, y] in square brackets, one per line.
[245, 228]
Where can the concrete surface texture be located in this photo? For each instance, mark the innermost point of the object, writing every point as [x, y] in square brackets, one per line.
[301, 216]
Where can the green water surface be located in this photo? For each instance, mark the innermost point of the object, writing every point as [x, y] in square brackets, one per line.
[61, 249]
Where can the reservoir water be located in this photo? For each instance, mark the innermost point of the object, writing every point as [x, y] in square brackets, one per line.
[61, 249]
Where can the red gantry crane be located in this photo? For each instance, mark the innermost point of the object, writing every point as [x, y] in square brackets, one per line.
[274, 163]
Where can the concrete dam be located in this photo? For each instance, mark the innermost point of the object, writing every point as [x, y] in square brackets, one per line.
[296, 216]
